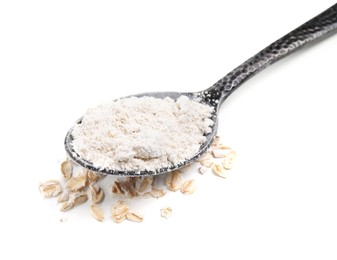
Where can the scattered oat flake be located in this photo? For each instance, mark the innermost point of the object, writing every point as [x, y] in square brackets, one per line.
[188, 187]
[129, 188]
[77, 183]
[227, 163]
[174, 181]
[118, 211]
[223, 147]
[156, 193]
[66, 169]
[216, 140]
[78, 198]
[207, 163]
[220, 153]
[120, 208]
[65, 206]
[119, 218]
[166, 212]
[97, 212]
[94, 177]
[63, 197]
[132, 216]
[218, 170]
[116, 188]
[145, 183]
[97, 194]
[50, 188]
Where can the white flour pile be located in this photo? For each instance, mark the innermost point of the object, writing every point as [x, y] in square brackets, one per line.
[142, 133]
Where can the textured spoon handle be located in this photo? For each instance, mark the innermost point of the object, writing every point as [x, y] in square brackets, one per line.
[317, 28]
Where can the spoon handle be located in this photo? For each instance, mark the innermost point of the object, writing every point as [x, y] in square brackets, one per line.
[315, 29]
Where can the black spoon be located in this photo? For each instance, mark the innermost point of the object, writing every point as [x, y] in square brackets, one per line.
[317, 28]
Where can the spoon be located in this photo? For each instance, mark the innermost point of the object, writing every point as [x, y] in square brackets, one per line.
[317, 28]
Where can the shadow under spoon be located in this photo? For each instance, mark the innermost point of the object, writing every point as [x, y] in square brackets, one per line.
[318, 28]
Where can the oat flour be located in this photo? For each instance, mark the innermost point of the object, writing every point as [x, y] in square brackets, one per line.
[143, 133]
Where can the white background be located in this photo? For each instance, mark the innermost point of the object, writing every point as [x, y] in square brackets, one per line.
[59, 57]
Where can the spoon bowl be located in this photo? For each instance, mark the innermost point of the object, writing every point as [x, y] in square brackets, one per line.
[196, 96]
[318, 28]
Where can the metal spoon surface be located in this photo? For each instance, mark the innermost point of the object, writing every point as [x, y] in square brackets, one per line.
[318, 28]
